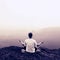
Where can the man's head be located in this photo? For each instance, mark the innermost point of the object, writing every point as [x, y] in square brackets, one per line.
[30, 35]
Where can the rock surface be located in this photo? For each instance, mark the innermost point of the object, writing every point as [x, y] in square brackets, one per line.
[15, 53]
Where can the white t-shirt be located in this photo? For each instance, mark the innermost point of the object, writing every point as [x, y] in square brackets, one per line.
[30, 45]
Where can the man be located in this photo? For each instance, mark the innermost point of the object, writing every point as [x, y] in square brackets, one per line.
[30, 44]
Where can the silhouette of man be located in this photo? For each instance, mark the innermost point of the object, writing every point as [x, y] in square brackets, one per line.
[30, 44]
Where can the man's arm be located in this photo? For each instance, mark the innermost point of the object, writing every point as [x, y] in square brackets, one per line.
[35, 44]
[40, 43]
[21, 42]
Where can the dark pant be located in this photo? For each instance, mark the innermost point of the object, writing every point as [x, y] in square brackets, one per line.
[35, 55]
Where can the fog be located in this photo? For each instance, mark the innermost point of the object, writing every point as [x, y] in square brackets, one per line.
[19, 17]
[50, 36]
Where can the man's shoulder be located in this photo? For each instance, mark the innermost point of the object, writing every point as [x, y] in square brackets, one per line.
[30, 40]
[26, 40]
[33, 39]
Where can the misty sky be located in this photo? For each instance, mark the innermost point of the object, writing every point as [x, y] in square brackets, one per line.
[20, 16]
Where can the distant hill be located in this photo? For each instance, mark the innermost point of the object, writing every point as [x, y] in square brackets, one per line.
[15, 53]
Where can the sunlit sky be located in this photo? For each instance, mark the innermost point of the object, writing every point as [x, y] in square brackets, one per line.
[29, 14]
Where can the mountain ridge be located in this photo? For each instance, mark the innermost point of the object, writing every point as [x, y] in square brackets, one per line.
[15, 53]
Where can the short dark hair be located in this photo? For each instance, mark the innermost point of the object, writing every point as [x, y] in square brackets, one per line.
[30, 35]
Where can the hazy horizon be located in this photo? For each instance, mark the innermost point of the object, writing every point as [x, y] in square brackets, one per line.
[49, 35]
[18, 17]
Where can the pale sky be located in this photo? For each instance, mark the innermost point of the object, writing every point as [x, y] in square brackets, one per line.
[17, 16]
[29, 14]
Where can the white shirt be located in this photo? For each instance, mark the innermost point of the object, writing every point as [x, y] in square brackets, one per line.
[30, 45]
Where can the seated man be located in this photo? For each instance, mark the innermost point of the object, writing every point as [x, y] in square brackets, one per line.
[31, 44]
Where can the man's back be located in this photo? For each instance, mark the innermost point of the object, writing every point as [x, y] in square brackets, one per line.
[30, 45]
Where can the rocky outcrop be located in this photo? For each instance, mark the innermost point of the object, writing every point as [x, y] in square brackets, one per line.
[15, 53]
